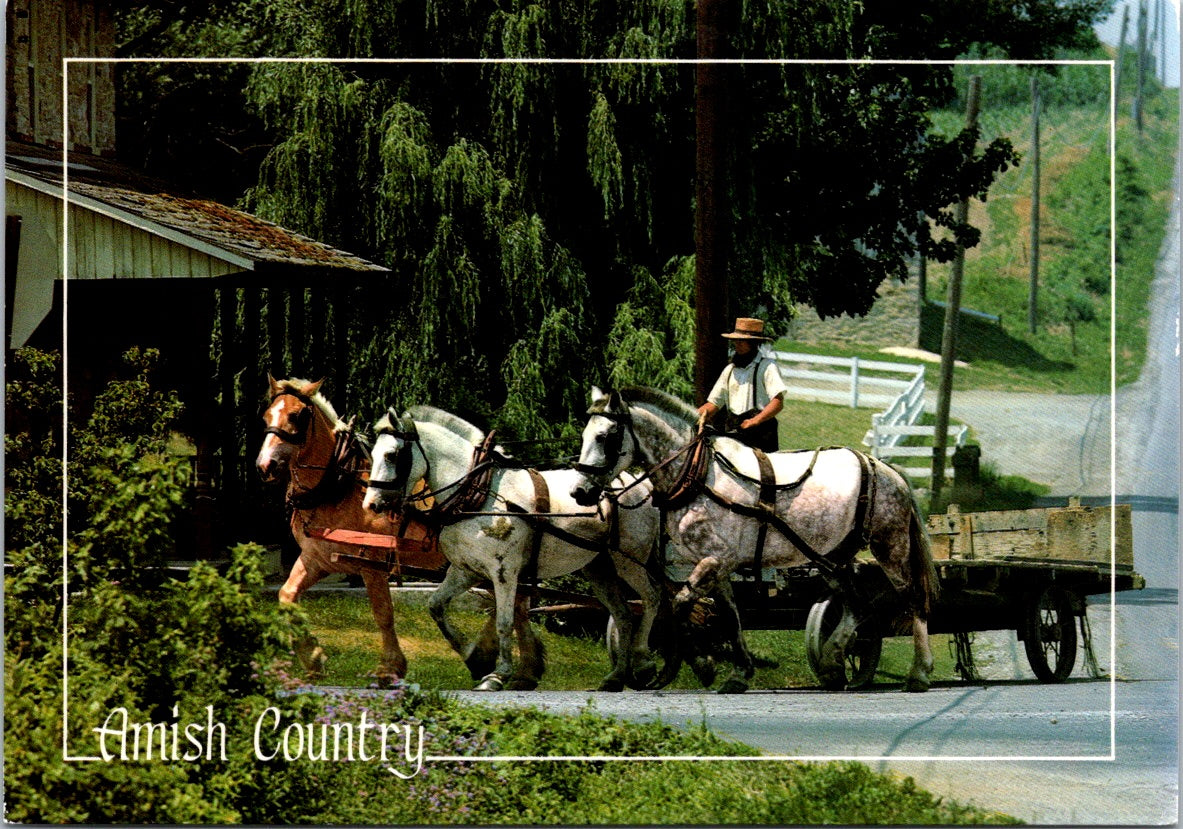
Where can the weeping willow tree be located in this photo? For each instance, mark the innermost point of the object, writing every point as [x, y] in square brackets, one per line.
[538, 217]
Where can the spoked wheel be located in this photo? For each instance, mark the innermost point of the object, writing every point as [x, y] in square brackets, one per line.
[1051, 635]
[839, 668]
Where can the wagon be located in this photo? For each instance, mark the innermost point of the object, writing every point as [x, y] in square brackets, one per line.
[1030, 571]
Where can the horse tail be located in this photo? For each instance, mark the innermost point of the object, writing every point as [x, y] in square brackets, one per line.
[927, 586]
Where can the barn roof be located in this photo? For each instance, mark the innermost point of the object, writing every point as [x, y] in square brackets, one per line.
[247, 241]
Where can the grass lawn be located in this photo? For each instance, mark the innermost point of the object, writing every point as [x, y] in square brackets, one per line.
[345, 628]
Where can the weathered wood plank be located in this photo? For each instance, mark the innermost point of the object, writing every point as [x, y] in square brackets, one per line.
[1074, 534]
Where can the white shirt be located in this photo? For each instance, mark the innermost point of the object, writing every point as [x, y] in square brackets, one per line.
[734, 390]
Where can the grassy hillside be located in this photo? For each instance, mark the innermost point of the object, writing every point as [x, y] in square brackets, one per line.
[1060, 356]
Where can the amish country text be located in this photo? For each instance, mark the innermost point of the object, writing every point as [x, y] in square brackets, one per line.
[205, 739]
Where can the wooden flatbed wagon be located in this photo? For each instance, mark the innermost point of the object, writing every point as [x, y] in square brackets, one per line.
[1030, 571]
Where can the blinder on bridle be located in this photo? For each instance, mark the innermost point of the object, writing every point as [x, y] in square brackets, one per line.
[393, 425]
[613, 442]
[303, 419]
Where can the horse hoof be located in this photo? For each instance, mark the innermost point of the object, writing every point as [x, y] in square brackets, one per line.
[705, 669]
[733, 686]
[644, 677]
[611, 685]
[490, 683]
[917, 684]
[521, 684]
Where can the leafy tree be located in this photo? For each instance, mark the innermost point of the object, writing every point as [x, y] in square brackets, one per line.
[520, 204]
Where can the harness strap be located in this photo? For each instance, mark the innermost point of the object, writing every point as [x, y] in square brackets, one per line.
[766, 503]
[336, 472]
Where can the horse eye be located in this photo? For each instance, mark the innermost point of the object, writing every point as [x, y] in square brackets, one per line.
[601, 438]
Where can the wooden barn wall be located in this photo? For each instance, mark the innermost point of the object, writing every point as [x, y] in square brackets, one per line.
[41, 33]
[101, 247]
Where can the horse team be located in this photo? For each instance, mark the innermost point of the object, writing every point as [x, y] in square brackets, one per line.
[646, 471]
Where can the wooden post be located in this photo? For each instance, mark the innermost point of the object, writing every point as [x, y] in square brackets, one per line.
[276, 333]
[1125, 19]
[711, 228]
[296, 336]
[952, 311]
[229, 365]
[1033, 287]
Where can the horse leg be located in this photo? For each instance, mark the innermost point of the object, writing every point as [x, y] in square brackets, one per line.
[741, 658]
[644, 669]
[703, 580]
[907, 562]
[919, 676]
[532, 654]
[456, 581]
[308, 651]
[606, 587]
[505, 588]
[393, 665]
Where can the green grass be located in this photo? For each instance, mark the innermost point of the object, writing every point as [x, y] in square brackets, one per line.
[346, 630]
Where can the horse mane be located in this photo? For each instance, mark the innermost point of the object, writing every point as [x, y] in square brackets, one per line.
[297, 385]
[677, 411]
[456, 425]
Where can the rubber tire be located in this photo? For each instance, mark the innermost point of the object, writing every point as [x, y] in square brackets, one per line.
[1051, 635]
[861, 659]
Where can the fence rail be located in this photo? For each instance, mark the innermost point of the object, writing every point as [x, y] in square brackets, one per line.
[902, 399]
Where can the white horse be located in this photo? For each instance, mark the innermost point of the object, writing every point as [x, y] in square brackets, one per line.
[509, 524]
[807, 507]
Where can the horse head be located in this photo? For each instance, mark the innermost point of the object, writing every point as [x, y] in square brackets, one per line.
[395, 465]
[609, 446]
[288, 420]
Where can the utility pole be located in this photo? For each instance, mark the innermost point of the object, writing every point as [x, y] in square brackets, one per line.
[1125, 20]
[1162, 41]
[1033, 287]
[711, 229]
[1141, 65]
[952, 311]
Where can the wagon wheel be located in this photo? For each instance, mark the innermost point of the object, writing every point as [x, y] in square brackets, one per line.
[1051, 635]
[852, 668]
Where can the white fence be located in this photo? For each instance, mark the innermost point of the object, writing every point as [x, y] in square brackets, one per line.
[843, 379]
[903, 400]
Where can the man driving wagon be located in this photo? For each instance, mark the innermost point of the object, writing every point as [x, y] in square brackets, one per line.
[749, 391]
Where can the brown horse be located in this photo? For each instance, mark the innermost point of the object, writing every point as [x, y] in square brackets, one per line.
[327, 470]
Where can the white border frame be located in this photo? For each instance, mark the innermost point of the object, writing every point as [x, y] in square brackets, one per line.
[67, 201]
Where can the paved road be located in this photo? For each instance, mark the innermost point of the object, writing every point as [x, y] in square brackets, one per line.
[1087, 752]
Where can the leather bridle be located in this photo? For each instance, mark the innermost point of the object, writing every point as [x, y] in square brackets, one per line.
[402, 464]
[613, 443]
[304, 419]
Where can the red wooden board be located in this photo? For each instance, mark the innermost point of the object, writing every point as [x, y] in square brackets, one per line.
[416, 549]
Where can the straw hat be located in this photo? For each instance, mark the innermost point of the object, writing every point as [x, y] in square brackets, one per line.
[747, 328]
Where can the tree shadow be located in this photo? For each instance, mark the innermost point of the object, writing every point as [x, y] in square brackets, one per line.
[980, 340]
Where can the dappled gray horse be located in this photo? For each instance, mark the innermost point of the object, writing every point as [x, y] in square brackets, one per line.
[726, 505]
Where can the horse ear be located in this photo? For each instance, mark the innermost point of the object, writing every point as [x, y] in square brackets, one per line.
[597, 395]
[615, 402]
[275, 387]
[313, 388]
